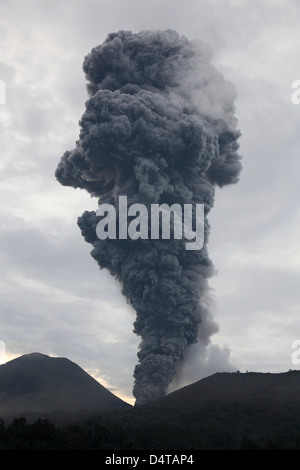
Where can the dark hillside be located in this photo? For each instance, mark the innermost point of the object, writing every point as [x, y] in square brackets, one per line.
[36, 384]
[224, 409]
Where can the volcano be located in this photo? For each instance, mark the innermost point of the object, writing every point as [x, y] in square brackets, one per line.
[36, 384]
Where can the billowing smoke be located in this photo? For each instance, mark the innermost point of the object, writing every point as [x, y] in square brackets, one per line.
[159, 127]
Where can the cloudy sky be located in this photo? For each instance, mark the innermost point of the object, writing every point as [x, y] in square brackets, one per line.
[54, 299]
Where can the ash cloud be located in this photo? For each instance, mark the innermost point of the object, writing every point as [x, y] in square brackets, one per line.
[159, 127]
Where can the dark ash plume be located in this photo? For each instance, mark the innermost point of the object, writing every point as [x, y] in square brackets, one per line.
[159, 127]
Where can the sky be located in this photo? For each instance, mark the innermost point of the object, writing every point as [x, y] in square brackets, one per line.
[54, 298]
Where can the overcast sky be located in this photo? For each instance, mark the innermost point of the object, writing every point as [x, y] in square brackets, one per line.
[54, 298]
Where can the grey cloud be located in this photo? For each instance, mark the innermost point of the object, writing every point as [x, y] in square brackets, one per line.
[159, 127]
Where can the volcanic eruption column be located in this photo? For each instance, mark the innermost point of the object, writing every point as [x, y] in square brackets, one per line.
[158, 127]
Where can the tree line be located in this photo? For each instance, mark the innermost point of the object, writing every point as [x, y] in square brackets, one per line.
[44, 435]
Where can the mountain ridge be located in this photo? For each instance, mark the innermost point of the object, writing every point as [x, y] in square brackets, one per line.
[226, 410]
[35, 383]
[216, 412]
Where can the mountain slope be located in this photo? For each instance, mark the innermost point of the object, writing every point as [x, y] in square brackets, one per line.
[39, 384]
[218, 412]
[251, 388]
[223, 411]
[260, 393]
